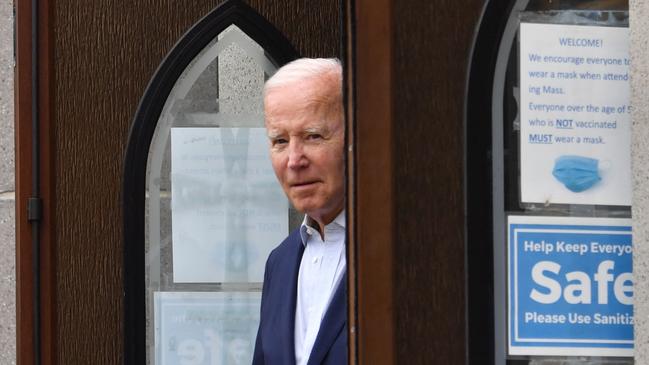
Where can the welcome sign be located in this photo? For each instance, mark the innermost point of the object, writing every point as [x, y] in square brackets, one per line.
[575, 114]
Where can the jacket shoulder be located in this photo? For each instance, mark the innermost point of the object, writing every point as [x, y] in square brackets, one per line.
[282, 251]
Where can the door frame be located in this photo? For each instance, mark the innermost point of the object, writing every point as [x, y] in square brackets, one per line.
[35, 186]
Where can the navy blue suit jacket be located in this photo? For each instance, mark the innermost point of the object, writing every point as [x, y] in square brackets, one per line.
[276, 336]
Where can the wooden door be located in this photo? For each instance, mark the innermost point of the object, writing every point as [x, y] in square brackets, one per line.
[407, 68]
[93, 65]
[410, 71]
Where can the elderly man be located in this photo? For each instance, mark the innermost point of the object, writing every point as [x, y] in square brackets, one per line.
[303, 306]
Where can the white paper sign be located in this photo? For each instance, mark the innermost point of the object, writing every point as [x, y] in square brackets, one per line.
[575, 125]
[228, 210]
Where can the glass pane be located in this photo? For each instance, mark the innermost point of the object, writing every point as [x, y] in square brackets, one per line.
[543, 5]
[213, 208]
[509, 164]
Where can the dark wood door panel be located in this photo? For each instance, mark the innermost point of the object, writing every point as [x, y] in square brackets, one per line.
[433, 42]
[409, 179]
[104, 54]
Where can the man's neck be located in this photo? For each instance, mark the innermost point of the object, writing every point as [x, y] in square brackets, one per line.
[320, 225]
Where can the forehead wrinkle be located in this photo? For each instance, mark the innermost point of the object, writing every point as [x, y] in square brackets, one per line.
[316, 101]
[285, 107]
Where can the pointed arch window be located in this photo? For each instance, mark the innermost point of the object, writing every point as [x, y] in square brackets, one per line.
[202, 209]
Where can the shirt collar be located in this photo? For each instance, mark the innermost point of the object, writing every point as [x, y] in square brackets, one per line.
[308, 224]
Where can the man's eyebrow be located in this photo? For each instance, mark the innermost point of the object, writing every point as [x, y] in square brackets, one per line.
[272, 134]
[316, 130]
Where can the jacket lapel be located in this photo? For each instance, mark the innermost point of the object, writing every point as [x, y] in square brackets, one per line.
[288, 310]
[332, 324]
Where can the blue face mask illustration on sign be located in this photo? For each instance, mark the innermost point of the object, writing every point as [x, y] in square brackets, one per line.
[577, 173]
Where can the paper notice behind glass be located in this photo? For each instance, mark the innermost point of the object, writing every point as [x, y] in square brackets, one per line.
[228, 211]
[575, 123]
[205, 328]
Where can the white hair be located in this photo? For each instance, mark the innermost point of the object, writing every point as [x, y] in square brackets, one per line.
[302, 69]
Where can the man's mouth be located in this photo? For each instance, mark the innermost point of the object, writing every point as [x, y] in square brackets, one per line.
[303, 184]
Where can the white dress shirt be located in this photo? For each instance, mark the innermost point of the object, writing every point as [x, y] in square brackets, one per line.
[321, 270]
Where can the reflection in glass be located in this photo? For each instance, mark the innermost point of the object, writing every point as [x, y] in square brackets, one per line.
[213, 208]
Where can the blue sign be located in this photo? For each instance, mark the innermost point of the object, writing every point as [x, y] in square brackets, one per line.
[570, 286]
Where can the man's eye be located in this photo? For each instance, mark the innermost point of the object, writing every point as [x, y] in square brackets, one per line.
[279, 141]
[314, 136]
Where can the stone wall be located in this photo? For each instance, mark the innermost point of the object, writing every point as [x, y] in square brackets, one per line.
[7, 220]
[639, 21]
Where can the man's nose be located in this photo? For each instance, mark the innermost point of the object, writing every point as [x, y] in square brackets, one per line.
[296, 157]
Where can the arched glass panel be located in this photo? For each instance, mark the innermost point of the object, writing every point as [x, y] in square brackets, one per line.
[214, 207]
[202, 206]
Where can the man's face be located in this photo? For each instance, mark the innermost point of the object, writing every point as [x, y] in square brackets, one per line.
[306, 147]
